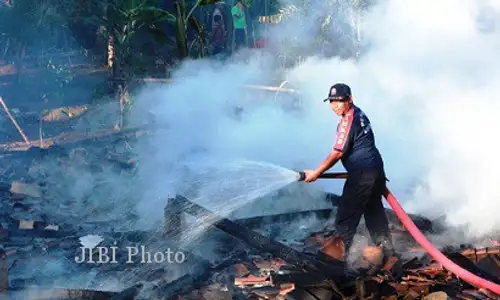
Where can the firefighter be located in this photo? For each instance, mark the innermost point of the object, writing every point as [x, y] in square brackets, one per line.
[364, 187]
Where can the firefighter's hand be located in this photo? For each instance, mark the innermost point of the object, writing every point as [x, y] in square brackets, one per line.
[311, 175]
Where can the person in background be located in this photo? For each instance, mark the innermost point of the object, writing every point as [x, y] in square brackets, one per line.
[219, 32]
[240, 25]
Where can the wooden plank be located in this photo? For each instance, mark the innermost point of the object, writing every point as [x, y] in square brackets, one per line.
[76, 137]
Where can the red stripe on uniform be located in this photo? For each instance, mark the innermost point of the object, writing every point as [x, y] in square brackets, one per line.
[343, 132]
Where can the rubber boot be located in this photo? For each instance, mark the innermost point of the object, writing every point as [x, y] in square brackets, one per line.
[334, 248]
[392, 262]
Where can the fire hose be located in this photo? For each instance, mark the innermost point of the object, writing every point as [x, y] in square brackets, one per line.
[423, 241]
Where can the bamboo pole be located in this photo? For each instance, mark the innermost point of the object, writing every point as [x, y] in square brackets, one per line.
[280, 87]
[249, 86]
[25, 138]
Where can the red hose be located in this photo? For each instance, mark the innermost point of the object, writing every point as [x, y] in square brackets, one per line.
[435, 253]
[427, 245]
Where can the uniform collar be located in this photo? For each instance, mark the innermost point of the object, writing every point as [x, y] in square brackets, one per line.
[350, 112]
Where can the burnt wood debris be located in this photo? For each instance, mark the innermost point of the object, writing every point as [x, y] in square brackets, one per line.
[49, 88]
[248, 259]
[233, 259]
[249, 263]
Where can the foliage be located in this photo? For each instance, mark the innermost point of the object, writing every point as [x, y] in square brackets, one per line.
[143, 29]
[126, 17]
[124, 20]
[24, 22]
[184, 17]
[64, 75]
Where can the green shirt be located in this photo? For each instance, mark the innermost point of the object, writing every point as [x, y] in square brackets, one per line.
[238, 17]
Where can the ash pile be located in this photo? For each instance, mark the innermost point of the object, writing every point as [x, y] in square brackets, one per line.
[282, 256]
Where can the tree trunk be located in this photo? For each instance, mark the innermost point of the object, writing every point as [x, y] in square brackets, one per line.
[111, 64]
[180, 30]
[112, 67]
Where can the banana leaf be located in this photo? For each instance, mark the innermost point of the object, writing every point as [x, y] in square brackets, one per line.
[180, 30]
[156, 14]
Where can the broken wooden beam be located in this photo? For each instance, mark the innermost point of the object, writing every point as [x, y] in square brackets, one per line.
[422, 223]
[302, 279]
[284, 217]
[334, 269]
[76, 137]
[470, 266]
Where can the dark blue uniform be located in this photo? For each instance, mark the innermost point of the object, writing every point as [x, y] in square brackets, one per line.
[356, 140]
[363, 189]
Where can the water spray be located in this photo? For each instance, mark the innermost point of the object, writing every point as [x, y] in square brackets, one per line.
[421, 239]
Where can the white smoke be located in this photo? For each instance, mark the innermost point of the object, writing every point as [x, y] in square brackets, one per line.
[428, 81]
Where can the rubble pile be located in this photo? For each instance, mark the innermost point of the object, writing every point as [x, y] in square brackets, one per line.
[280, 272]
[251, 258]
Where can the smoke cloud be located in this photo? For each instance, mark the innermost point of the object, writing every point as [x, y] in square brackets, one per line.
[427, 79]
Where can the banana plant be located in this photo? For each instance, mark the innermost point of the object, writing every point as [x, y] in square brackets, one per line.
[128, 16]
[135, 14]
[184, 18]
[122, 19]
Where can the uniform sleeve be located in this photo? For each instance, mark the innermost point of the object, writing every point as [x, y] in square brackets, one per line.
[344, 135]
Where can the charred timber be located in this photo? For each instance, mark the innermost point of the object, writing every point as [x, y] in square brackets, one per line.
[255, 222]
[128, 293]
[467, 264]
[332, 269]
[75, 138]
[323, 214]
[302, 279]
[197, 278]
[422, 223]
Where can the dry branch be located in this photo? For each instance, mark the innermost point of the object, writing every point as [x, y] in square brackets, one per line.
[6, 109]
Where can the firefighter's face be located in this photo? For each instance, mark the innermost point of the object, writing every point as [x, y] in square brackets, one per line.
[340, 107]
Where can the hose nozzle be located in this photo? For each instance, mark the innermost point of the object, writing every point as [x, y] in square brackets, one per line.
[301, 176]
